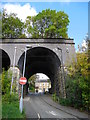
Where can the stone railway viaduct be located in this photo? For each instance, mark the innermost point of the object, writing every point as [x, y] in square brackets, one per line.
[48, 56]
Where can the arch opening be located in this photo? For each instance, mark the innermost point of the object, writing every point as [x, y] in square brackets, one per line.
[4, 60]
[39, 83]
[40, 60]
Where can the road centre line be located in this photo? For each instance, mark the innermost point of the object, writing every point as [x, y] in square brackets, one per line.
[38, 115]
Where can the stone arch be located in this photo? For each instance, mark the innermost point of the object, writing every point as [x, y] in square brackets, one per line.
[42, 60]
[4, 60]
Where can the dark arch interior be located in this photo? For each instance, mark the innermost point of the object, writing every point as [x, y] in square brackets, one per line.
[4, 60]
[40, 60]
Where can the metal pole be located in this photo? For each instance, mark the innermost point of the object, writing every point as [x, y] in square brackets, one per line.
[24, 61]
[21, 99]
[13, 68]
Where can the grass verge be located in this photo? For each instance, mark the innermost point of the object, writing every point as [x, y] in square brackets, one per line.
[11, 110]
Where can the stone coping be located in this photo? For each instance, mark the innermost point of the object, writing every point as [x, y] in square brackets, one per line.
[52, 41]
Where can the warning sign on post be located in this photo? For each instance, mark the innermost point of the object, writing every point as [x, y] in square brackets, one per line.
[23, 81]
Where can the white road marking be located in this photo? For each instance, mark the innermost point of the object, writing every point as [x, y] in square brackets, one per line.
[38, 115]
[26, 99]
[51, 112]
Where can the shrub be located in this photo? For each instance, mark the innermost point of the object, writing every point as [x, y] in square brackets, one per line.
[10, 98]
[5, 82]
[77, 83]
[65, 102]
[55, 98]
[6, 86]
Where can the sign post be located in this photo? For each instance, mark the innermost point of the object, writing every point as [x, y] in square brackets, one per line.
[21, 99]
[22, 81]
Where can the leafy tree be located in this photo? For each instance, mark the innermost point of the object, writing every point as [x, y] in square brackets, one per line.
[12, 27]
[48, 24]
[78, 83]
[32, 80]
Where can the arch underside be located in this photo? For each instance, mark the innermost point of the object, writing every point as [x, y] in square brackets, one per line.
[4, 60]
[41, 60]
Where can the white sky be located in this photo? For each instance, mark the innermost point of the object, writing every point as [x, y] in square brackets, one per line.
[21, 11]
[42, 76]
[84, 44]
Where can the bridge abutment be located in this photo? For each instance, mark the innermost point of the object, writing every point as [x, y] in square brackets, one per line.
[59, 83]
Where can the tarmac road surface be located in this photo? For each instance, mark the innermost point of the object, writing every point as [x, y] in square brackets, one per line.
[42, 106]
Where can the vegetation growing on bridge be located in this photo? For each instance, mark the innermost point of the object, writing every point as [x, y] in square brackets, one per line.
[12, 26]
[46, 24]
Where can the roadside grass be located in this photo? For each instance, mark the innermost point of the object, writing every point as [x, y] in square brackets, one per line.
[0, 109]
[11, 110]
[10, 102]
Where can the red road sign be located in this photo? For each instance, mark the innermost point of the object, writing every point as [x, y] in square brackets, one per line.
[22, 80]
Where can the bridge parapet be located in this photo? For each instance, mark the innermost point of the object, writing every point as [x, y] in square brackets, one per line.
[28, 40]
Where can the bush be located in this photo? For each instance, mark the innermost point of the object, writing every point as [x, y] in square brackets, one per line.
[55, 98]
[62, 101]
[10, 102]
[77, 82]
[5, 82]
[65, 102]
[10, 98]
[6, 87]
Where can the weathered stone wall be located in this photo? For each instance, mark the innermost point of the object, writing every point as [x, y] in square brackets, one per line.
[67, 46]
[63, 48]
